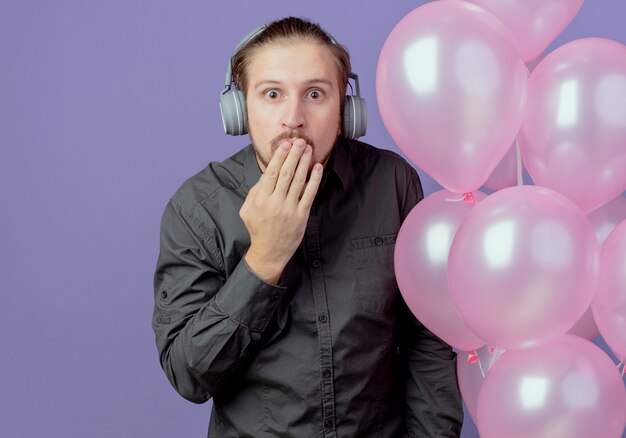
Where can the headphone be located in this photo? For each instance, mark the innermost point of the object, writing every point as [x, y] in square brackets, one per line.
[233, 101]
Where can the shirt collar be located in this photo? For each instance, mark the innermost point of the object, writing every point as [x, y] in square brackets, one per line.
[251, 169]
[339, 164]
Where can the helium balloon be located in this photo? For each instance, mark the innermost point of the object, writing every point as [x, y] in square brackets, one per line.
[421, 263]
[523, 266]
[471, 374]
[565, 388]
[451, 89]
[573, 139]
[609, 304]
[534, 24]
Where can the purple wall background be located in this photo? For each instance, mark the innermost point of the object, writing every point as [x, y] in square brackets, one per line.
[105, 108]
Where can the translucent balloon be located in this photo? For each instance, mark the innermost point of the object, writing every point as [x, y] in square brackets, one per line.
[605, 218]
[451, 89]
[471, 374]
[421, 261]
[534, 24]
[523, 266]
[573, 139]
[586, 326]
[609, 304]
[566, 388]
[505, 173]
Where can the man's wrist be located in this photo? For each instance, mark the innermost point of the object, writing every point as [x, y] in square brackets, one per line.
[267, 270]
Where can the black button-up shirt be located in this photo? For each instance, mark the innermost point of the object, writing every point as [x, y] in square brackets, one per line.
[332, 351]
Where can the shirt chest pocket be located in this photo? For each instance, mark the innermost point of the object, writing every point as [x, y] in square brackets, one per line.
[372, 266]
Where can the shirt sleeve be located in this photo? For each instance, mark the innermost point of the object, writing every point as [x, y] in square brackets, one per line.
[206, 323]
[433, 399]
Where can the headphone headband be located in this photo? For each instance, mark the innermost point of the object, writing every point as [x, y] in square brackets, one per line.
[228, 80]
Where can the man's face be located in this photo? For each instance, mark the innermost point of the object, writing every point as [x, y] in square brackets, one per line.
[293, 91]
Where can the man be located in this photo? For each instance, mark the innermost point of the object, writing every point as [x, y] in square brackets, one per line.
[274, 290]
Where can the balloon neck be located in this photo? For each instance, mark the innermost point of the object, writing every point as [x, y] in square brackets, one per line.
[469, 197]
[472, 357]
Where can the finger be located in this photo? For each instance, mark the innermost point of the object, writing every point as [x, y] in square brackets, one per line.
[288, 170]
[249, 199]
[311, 188]
[272, 171]
[253, 192]
[255, 188]
[299, 178]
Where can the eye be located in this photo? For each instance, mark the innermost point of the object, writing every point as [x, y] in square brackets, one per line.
[272, 94]
[315, 94]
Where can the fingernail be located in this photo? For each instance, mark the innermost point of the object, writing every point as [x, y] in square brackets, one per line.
[286, 145]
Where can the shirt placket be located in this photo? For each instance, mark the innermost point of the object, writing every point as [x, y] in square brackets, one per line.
[315, 263]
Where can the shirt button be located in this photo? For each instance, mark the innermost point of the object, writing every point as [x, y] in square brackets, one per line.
[378, 241]
[326, 373]
[322, 318]
[328, 423]
[164, 294]
[316, 263]
[274, 298]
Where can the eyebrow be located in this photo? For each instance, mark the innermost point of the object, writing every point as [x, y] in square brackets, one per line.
[267, 82]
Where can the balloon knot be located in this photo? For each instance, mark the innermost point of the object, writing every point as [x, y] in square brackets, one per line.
[469, 197]
[472, 357]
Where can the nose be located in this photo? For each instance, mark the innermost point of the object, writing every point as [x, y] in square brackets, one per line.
[294, 115]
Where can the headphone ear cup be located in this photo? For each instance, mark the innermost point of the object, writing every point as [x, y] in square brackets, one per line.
[354, 117]
[233, 109]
